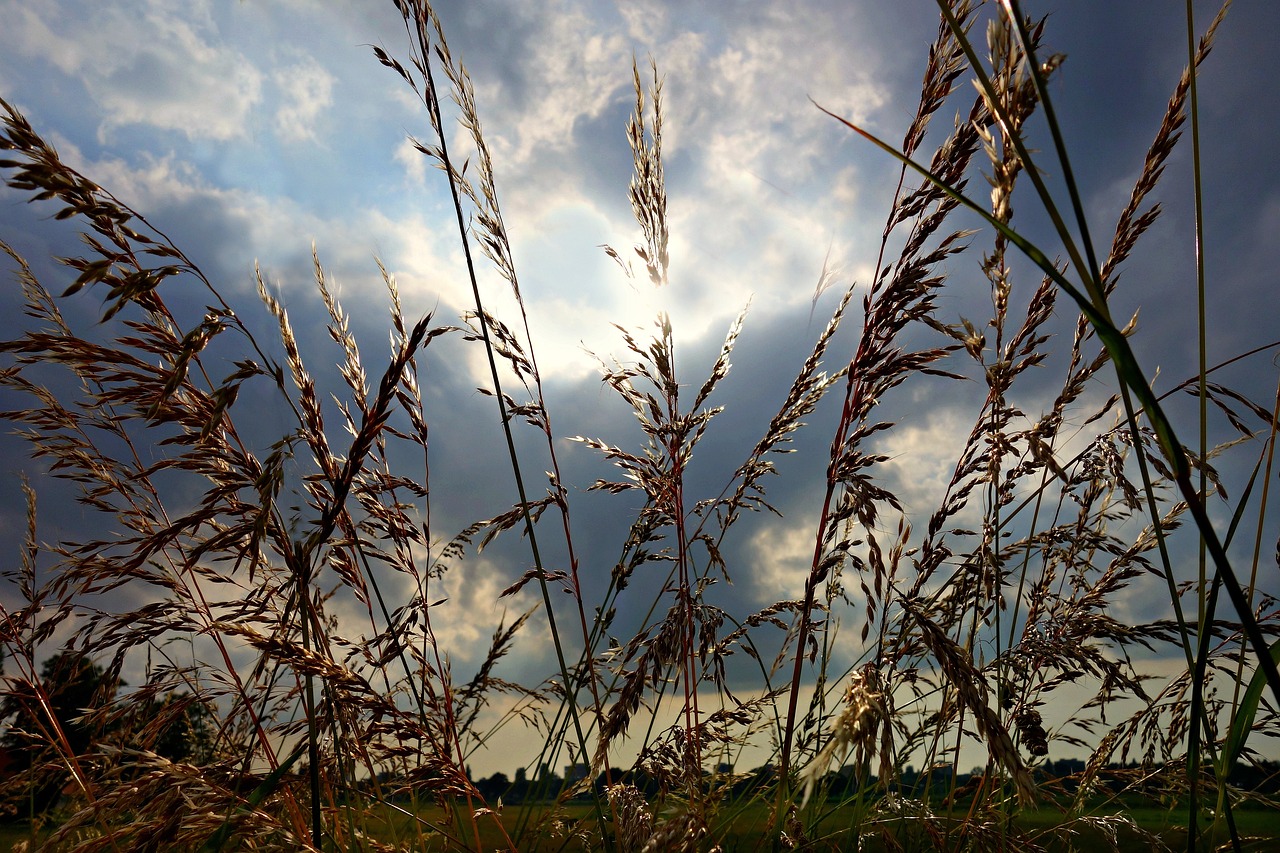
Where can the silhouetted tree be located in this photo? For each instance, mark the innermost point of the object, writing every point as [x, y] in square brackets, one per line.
[519, 788]
[177, 726]
[494, 787]
[49, 728]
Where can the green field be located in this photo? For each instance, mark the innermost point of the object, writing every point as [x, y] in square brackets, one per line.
[744, 828]
[540, 827]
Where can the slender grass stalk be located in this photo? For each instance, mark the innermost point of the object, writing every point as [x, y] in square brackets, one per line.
[420, 13]
[1204, 615]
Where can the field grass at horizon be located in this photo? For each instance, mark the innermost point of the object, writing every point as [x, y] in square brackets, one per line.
[740, 826]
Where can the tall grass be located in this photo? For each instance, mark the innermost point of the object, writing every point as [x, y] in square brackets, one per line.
[970, 616]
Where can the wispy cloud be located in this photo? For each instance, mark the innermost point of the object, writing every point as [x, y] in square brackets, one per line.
[307, 96]
[144, 63]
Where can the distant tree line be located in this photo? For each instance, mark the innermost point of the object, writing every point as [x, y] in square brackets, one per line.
[36, 753]
[1262, 777]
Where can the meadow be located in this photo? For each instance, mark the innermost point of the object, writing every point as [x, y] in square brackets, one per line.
[296, 699]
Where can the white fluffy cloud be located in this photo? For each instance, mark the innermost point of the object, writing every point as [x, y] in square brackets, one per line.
[152, 63]
[307, 93]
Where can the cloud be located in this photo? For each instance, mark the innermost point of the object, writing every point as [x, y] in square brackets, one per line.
[307, 94]
[144, 63]
[466, 611]
[923, 450]
[574, 76]
[744, 147]
[783, 552]
[412, 161]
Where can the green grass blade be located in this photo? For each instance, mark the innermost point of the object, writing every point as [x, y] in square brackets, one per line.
[1242, 720]
[255, 799]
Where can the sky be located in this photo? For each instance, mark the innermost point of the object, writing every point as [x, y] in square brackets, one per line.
[250, 130]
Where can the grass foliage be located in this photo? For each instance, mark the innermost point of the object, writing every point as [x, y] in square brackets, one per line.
[968, 616]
